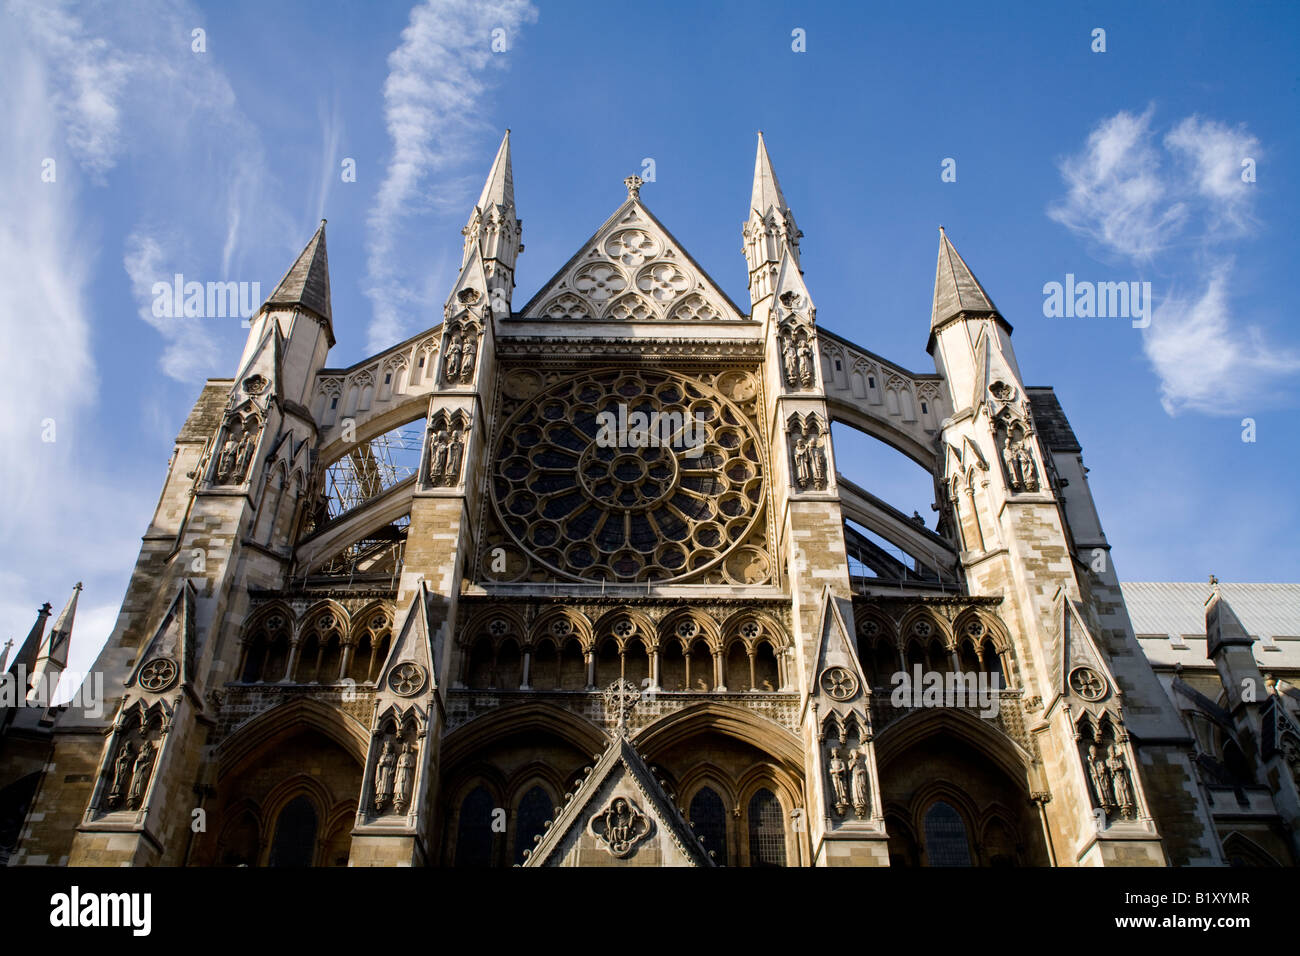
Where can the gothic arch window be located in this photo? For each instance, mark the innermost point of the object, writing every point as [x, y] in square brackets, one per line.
[946, 843]
[766, 829]
[535, 808]
[573, 669]
[481, 663]
[239, 843]
[699, 664]
[267, 651]
[509, 668]
[544, 674]
[294, 843]
[737, 668]
[608, 665]
[708, 817]
[370, 650]
[474, 843]
[320, 652]
[672, 666]
[767, 672]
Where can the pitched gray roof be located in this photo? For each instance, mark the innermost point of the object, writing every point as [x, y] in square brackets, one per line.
[956, 289]
[307, 283]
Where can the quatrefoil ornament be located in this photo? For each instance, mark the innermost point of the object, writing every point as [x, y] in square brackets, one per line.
[158, 674]
[406, 679]
[838, 683]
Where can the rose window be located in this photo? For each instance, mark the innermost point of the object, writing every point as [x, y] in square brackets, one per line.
[628, 477]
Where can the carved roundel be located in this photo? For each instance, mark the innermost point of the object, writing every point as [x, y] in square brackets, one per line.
[629, 476]
[839, 683]
[158, 674]
[406, 679]
[1087, 683]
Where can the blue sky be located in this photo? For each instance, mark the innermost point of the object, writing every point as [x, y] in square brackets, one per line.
[1114, 166]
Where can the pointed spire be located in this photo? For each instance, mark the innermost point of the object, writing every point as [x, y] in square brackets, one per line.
[60, 638]
[767, 191]
[30, 650]
[307, 283]
[956, 289]
[499, 190]
[54, 654]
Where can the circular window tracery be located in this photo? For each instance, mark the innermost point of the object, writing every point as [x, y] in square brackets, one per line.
[628, 476]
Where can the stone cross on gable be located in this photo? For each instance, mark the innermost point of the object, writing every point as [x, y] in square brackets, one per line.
[620, 697]
[634, 184]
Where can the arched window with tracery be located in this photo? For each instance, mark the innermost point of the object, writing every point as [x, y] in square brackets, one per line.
[371, 650]
[320, 651]
[709, 820]
[945, 836]
[294, 843]
[267, 651]
[474, 830]
[766, 830]
[535, 808]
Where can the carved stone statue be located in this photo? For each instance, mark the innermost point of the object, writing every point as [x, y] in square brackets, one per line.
[451, 366]
[438, 457]
[836, 769]
[121, 774]
[858, 780]
[1013, 469]
[1025, 463]
[140, 775]
[242, 454]
[467, 358]
[455, 449]
[384, 775]
[802, 463]
[620, 827]
[405, 777]
[1100, 775]
[817, 454]
[789, 361]
[226, 460]
[1120, 782]
[805, 364]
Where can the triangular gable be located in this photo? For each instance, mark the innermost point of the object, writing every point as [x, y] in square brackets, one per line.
[263, 366]
[619, 814]
[169, 655]
[991, 366]
[1077, 650]
[414, 645]
[632, 269]
[835, 648]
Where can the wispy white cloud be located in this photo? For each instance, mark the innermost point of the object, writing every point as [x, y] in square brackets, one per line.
[433, 98]
[1213, 154]
[1117, 197]
[1131, 197]
[1206, 360]
[331, 124]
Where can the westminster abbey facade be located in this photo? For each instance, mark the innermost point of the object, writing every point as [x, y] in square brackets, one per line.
[579, 581]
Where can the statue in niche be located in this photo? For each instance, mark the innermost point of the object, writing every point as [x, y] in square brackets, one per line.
[1120, 782]
[789, 362]
[805, 364]
[384, 775]
[405, 775]
[226, 460]
[818, 457]
[140, 775]
[802, 463]
[836, 769]
[1025, 462]
[438, 457]
[858, 781]
[455, 447]
[121, 774]
[468, 353]
[1100, 775]
[242, 454]
[451, 366]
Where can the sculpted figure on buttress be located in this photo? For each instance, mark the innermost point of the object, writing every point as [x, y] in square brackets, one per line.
[858, 778]
[836, 769]
[384, 775]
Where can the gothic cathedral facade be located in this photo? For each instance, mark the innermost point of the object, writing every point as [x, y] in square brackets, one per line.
[624, 608]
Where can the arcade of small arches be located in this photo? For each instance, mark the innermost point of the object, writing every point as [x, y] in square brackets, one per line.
[975, 643]
[324, 645]
[684, 652]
